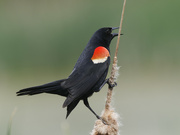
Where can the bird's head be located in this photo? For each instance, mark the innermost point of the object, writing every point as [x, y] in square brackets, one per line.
[104, 35]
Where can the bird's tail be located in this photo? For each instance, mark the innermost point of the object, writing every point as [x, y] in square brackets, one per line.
[52, 88]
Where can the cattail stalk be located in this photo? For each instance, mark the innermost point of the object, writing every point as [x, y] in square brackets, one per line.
[109, 115]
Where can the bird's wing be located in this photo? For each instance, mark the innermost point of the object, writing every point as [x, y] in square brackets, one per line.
[82, 80]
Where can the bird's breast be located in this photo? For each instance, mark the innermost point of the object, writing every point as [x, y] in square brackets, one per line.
[100, 55]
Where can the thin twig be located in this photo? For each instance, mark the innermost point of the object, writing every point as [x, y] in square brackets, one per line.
[120, 27]
[114, 66]
[109, 115]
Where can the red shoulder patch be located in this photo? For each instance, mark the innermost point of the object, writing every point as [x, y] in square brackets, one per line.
[100, 55]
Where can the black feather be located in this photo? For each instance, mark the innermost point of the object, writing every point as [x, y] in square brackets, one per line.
[52, 88]
[71, 106]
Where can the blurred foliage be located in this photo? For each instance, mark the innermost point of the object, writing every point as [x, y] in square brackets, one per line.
[53, 33]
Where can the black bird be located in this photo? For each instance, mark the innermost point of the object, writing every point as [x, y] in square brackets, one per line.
[88, 76]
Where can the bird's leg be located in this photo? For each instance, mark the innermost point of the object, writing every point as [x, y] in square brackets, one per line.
[111, 85]
[88, 106]
[104, 83]
[101, 85]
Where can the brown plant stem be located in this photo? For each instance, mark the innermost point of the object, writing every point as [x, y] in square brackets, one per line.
[109, 115]
[114, 66]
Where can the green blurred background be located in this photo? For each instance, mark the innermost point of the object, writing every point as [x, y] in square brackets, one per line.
[40, 41]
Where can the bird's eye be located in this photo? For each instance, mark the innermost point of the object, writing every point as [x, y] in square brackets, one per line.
[108, 31]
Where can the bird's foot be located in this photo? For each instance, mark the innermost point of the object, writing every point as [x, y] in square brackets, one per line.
[103, 121]
[111, 85]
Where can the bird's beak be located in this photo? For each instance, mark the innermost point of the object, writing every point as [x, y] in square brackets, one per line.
[115, 34]
[114, 28]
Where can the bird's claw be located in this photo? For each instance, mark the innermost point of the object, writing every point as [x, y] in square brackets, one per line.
[111, 85]
[103, 121]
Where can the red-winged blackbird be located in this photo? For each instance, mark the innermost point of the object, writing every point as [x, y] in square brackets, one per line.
[88, 76]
